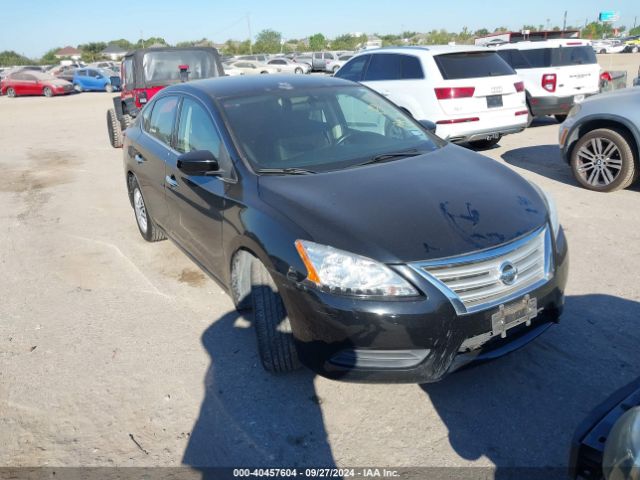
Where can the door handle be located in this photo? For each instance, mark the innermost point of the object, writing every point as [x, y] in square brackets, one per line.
[171, 181]
[139, 159]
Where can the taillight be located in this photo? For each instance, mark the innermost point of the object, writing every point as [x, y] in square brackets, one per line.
[458, 120]
[457, 92]
[519, 86]
[549, 81]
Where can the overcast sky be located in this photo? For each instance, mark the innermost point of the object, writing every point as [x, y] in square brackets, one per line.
[31, 27]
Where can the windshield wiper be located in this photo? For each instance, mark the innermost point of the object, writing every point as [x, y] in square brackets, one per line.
[286, 171]
[391, 155]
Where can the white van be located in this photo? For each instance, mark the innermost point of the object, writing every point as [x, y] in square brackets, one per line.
[557, 73]
[470, 93]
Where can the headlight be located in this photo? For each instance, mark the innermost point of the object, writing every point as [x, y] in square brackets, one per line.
[345, 273]
[574, 110]
[551, 208]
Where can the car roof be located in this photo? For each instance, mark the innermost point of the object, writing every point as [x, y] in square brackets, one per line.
[431, 50]
[222, 87]
[552, 43]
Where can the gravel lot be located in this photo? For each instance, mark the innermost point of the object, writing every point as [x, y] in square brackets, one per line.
[118, 352]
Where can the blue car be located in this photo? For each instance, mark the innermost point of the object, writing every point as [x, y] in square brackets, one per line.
[95, 79]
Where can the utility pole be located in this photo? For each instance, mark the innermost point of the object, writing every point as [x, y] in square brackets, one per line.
[250, 36]
[635, 22]
[564, 24]
[141, 39]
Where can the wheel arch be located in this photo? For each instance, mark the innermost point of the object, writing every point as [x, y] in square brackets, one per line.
[613, 122]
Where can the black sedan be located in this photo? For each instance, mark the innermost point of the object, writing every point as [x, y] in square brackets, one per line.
[368, 248]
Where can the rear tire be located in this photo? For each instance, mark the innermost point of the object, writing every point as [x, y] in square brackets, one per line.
[560, 118]
[147, 227]
[298, 71]
[335, 69]
[47, 92]
[485, 144]
[617, 161]
[109, 88]
[113, 127]
[273, 331]
[78, 88]
[11, 92]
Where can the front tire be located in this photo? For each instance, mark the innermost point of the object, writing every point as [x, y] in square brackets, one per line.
[485, 144]
[47, 92]
[147, 227]
[603, 161]
[113, 127]
[635, 49]
[335, 69]
[78, 88]
[108, 88]
[298, 71]
[273, 330]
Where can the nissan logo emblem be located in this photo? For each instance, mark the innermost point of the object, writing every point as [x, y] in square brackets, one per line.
[508, 273]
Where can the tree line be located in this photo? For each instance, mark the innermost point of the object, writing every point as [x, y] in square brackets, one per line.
[271, 41]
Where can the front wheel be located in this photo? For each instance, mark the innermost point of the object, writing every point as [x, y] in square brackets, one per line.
[603, 161]
[335, 69]
[298, 71]
[109, 88]
[485, 144]
[148, 229]
[47, 92]
[77, 87]
[635, 49]
[273, 330]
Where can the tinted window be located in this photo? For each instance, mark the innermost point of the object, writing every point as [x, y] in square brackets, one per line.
[393, 67]
[196, 130]
[328, 56]
[162, 119]
[573, 56]
[277, 62]
[93, 73]
[317, 55]
[513, 58]
[558, 57]
[352, 70]
[472, 65]
[82, 73]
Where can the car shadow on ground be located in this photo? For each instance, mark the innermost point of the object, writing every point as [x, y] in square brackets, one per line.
[250, 418]
[518, 411]
[522, 410]
[544, 160]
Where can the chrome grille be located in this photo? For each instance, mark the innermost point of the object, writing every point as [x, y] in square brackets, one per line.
[475, 282]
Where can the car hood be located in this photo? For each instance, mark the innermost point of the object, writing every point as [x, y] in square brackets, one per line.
[58, 82]
[445, 203]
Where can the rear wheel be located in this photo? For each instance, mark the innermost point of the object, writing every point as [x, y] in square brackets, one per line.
[77, 87]
[113, 127]
[273, 330]
[47, 92]
[11, 92]
[109, 88]
[485, 144]
[298, 71]
[336, 68]
[603, 51]
[560, 118]
[148, 229]
[603, 161]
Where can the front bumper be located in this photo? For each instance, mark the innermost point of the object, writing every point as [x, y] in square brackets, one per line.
[553, 105]
[410, 341]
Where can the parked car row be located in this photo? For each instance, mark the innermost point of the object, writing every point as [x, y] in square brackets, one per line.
[32, 82]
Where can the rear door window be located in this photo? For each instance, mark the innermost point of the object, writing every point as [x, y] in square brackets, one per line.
[454, 66]
[352, 70]
[163, 118]
[390, 66]
[513, 58]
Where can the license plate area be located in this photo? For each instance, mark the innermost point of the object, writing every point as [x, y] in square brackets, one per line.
[513, 314]
[494, 101]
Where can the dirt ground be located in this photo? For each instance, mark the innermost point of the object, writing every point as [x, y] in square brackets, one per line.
[116, 352]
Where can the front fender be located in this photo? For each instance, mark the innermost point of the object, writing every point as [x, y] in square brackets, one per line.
[572, 136]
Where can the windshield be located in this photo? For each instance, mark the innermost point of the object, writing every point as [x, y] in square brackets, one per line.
[164, 67]
[322, 129]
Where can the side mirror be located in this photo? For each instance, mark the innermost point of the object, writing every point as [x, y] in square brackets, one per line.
[429, 125]
[621, 459]
[198, 162]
